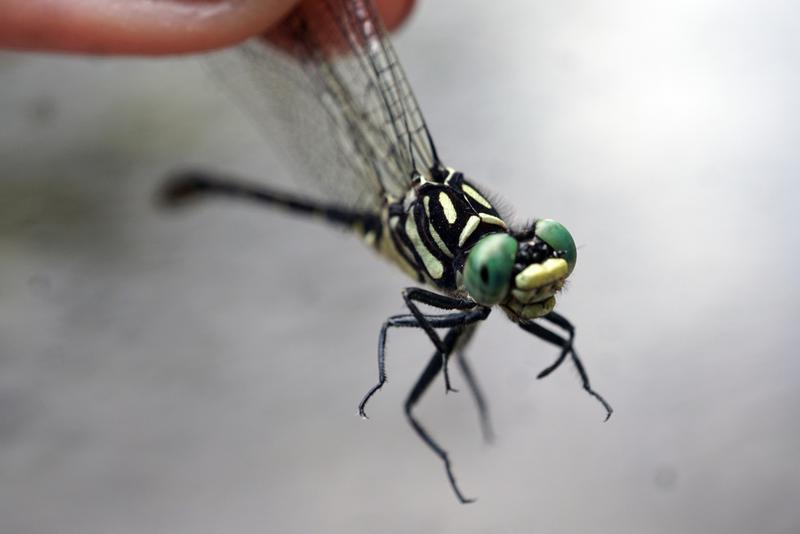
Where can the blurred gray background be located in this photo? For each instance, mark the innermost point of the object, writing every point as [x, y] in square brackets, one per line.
[198, 372]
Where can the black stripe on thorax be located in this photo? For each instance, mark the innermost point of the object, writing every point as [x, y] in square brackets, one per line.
[464, 206]
[441, 212]
[396, 212]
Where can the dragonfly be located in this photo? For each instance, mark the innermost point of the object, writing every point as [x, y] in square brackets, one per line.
[329, 89]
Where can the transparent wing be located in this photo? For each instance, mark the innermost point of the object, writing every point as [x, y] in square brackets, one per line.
[328, 89]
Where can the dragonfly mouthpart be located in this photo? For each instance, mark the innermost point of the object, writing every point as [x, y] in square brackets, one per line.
[533, 294]
[545, 258]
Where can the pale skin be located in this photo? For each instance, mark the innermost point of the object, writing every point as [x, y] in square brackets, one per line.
[148, 27]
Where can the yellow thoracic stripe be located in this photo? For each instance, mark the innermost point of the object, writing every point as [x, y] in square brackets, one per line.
[491, 219]
[447, 206]
[432, 264]
[472, 224]
[477, 197]
[390, 249]
[438, 240]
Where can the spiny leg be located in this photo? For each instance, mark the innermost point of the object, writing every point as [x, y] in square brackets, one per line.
[472, 384]
[477, 395]
[564, 323]
[561, 321]
[567, 349]
[435, 300]
[426, 378]
[450, 320]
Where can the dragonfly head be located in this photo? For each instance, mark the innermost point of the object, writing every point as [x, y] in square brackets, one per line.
[521, 271]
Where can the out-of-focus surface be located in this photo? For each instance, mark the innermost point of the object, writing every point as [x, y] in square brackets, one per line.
[199, 371]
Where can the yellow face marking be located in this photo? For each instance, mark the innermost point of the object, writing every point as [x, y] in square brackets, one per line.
[431, 263]
[533, 311]
[537, 294]
[491, 219]
[477, 197]
[447, 205]
[472, 223]
[541, 274]
[439, 242]
[369, 238]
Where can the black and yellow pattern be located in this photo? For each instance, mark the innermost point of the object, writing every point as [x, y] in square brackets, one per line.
[437, 226]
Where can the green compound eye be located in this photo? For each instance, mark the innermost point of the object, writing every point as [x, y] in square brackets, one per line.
[554, 234]
[487, 274]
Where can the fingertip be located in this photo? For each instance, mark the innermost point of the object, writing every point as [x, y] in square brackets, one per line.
[394, 12]
[140, 27]
[143, 27]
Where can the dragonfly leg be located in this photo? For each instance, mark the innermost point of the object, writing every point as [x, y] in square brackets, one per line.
[442, 302]
[567, 349]
[451, 320]
[561, 321]
[426, 378]
[477, 395]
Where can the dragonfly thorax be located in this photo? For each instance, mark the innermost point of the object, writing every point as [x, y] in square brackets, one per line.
[430, 231]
